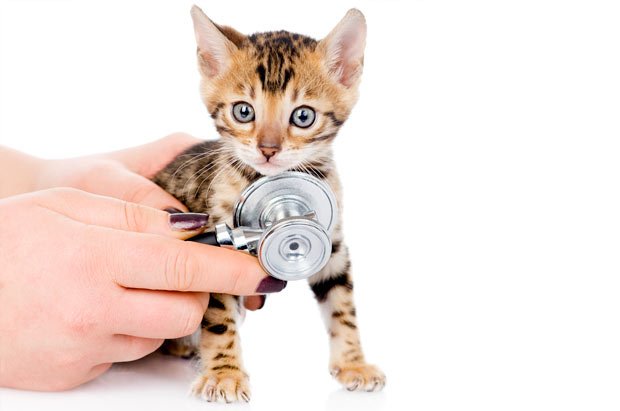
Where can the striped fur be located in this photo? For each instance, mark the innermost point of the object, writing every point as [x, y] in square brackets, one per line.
[274, 72]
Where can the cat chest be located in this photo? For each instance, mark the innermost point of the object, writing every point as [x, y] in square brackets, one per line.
[221, 199]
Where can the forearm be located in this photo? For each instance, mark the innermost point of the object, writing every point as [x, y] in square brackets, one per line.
[18, 172]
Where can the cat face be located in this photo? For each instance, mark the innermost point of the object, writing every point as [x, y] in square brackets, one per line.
[278, 98]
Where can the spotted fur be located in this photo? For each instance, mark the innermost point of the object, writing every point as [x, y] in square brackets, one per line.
[275, 72]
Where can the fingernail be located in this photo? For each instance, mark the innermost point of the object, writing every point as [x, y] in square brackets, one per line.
[263, 298]
[188, 221]
[270, 285]
[172, 210]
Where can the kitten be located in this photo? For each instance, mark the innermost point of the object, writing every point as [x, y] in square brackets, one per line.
[278, 100]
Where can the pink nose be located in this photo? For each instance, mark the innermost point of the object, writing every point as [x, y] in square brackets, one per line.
[269, 152]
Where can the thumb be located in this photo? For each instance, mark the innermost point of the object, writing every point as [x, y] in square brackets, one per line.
[149, 158]
[121, 183]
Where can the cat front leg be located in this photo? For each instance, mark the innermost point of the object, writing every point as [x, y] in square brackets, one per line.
[333, 289]
[222, 377]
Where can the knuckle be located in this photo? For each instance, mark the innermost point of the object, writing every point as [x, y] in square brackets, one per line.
[141, 347]
[69, 359]
[82, 323]
[132, 216]
[193, 318]
[89, 171]
[156, 343]
[180, 270]
[141, 192]
[99, 166]
[236, 280]
[99, 369]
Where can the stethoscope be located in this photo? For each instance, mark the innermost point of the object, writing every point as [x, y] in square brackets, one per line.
[286, 221]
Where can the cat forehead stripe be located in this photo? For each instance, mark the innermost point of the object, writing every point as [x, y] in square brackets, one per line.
[277, 53]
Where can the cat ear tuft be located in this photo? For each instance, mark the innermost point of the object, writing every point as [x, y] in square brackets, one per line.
[344, 48]
[214, 49]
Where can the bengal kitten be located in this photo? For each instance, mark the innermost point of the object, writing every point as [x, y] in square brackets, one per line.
[278, 100]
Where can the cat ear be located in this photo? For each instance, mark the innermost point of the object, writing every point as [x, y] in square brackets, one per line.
[344, 48]
[214, 48]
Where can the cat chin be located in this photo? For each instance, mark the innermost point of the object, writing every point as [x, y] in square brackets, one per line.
[268, 169]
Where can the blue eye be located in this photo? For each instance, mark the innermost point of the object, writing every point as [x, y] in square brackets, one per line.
[243, 112]
[303, 117]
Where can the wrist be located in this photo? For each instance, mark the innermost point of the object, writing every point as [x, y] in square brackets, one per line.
[19, 172]
[43, 174]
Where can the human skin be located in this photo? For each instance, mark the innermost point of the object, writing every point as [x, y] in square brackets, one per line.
[92, 278]
[123, 174]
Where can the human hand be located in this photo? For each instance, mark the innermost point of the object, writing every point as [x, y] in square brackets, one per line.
[121, 174]
[126, 175]
[87, 280]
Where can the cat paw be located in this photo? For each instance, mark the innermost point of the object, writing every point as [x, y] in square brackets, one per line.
[359, 377]
[222, 387]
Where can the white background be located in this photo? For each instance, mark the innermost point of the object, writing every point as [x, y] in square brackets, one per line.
[481, 172]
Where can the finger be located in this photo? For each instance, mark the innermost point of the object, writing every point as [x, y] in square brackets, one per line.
[123, 348]
[148, 159]
[157, 314]
[122, 215]
[154, 262]
[254, 302]
[116, 181]
[96, 371]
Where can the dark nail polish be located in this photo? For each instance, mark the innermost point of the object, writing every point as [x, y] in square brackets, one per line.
[271, 285]
[172, 210]
[263, 298]
[188, 221]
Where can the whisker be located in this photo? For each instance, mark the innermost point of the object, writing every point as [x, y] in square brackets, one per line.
[188, 162]
[194, 158]
[223, 169]
[205, 169]
[220, 162]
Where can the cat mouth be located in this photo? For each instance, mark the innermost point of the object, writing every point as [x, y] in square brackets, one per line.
[268, 168]
[260, 164]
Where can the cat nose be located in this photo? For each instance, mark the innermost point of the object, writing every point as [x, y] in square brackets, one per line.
[269, 150]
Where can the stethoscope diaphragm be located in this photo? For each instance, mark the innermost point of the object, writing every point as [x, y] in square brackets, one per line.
[294, 248]
[285, 220]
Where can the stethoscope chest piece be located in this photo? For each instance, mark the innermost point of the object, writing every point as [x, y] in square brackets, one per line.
[290, 194]
[297, 213]
[294, 248]
[285, 220]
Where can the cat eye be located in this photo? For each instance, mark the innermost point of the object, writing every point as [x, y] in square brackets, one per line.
[243, 112]
[303, 117]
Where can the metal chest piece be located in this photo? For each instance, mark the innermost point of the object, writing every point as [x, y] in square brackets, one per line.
[296, 213]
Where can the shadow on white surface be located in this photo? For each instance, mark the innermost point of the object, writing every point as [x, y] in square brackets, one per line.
[155, 368]
[340, 400]
[160, 382]
[156, 381]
